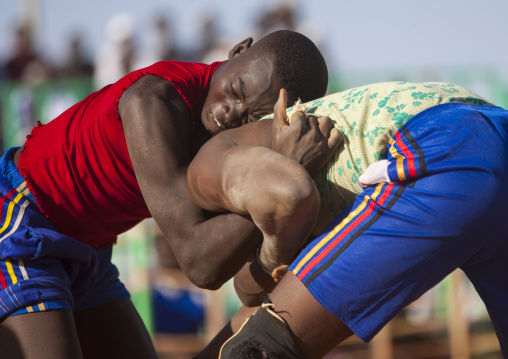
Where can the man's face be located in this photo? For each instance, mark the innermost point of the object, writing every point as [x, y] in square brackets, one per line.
[242, 90]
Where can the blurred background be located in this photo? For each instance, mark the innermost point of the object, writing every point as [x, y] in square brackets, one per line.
[52, 54]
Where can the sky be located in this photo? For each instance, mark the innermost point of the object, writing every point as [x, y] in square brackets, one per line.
[354, 35]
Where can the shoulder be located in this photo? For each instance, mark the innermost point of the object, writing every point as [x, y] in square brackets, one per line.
[149, 85]
[150, 88]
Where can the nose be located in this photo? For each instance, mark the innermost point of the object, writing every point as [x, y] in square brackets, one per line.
[232, 114]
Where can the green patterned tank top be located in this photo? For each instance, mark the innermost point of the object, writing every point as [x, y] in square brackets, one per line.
[367, 117]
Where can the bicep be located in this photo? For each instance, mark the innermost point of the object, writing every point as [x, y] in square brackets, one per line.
[157, 131]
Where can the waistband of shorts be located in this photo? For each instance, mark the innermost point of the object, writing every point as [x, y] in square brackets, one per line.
[10, 172]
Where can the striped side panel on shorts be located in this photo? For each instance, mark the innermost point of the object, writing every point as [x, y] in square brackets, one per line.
[409, 158]
[13, 207]
[334, 243]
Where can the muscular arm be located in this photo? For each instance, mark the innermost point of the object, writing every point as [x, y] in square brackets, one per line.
[276, 191]
[237, 171]
[210, 249]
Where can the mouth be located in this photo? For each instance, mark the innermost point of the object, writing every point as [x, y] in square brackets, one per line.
[219, 125]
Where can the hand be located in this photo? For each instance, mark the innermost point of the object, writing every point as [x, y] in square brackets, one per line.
[309, 140]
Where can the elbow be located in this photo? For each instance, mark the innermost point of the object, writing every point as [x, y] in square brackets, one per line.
[204, 278]
[207, 282]
[297, 199]
[284, 192]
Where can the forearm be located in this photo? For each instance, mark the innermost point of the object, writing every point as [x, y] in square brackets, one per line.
[283, 202]
[216, 248]
[209, 249]
[251, 282]
[285, 208]
[277, 193]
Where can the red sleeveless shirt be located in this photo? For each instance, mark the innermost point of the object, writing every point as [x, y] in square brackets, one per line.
[78, 168]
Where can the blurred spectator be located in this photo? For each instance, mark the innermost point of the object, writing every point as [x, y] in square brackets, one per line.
[164, 47]
[213, 46]
[209, 37]
[279, 17]
[25, 64]
[76, 64]
[117, 56]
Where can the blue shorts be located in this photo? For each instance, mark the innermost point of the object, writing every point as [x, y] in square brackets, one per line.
[40, 268]
[445, 207]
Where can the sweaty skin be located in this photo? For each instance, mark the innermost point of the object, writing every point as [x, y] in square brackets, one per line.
[157, 131]
[220, 182]
[210, 247]
[221, 185]
[315, 328]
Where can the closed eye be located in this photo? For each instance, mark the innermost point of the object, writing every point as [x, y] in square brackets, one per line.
[242, 87]
[233, 92]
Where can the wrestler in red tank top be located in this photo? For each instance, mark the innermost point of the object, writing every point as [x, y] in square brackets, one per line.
[78, 168]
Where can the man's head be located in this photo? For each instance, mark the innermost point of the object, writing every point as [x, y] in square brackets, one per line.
[246, 86]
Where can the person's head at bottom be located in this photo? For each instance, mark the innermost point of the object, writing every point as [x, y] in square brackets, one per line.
[264, 335]
[249, 349]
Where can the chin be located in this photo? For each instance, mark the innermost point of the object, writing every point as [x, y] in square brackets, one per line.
[209, 129]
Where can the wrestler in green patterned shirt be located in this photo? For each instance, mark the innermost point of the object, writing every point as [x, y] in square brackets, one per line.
[368, 116]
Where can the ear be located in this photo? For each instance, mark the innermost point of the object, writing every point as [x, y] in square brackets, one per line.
[240, 47]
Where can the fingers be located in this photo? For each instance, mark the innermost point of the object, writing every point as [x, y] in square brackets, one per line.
[335, 138]
[279, 272]
[329, 132]
[325, 125]
[320, 127]
[298, 119]
[279, 111]
[314, 128]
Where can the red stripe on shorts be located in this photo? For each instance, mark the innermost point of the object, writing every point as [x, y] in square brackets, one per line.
[3, 283]
[355, 224]
[409, 156]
